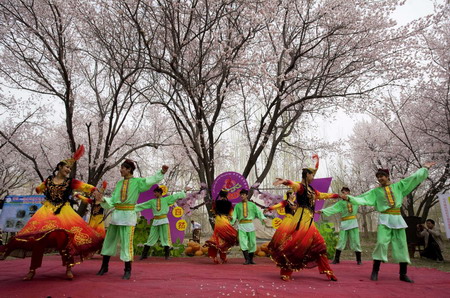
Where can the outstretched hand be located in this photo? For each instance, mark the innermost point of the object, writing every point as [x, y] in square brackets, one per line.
[187, 188]
[278, 181]
[344, 197]
[98, 196]
[429, 164]
[164, 169]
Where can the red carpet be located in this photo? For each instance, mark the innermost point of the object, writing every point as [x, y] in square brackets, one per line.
[198, 277]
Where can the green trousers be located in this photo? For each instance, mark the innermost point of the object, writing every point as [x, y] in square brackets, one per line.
[397, 237]
[247, 241]
[353, 236]
[161, 233]
[116, 234]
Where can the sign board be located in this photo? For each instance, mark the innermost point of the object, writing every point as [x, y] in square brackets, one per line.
[444, 201]
[17, 210]
[232, 182]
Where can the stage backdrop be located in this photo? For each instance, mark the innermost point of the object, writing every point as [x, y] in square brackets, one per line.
[232, 182]
[17, 210]
[177, 222]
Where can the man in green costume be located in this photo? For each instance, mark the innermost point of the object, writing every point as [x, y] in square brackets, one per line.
[349, 228]
[123, 218]
[387, 199]
[245, 212]
[160, 227]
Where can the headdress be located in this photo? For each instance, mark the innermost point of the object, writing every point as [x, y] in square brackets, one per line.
[314, 170]
[76, 156]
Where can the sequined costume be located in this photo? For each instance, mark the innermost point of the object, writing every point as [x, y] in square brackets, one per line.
[297, 244]
[56, 227]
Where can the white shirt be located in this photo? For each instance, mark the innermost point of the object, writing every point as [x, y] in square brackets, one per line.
[196, 225]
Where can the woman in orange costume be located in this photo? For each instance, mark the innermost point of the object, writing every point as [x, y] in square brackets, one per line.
[297, 244]
[224, 235]
[56, 226]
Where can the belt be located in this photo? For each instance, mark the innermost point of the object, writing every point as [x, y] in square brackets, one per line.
[394, 211]
[245, 221]
[124, 207]
[348, 217]
[160, 216]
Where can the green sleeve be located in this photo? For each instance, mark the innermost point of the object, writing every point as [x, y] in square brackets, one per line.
[146, 183]
[259, 213]
[368, 198]
[107, 204]
[235, 214]
[333, 209]
[175, 197]
[408, 184]
[143, 206]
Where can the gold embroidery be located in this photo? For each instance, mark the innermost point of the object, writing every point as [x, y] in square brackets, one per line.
[350, 208]
[245, 208]
[158, 204]
[124, 190]
[80, 237]
[389, 196]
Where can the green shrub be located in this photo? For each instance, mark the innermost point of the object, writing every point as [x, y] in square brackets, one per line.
[329, 234]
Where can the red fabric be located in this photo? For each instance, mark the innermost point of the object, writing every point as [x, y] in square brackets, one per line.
[198, 277]
[223, 238]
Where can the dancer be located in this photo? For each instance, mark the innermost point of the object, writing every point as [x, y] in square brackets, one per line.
[96, 218]
[160, 228]
[298, 244]
[349, 228]
[123, 218]
[388, 199]
[56, 226]
[245, 212]
[224, 235]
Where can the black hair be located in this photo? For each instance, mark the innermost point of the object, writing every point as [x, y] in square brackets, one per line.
[288, 193]
[243, 191]
[382, 172]
[129, 164]
[345, 188]
[223, 194]
[305, 172]
[158, 189]
[61, 163]
[432, 221]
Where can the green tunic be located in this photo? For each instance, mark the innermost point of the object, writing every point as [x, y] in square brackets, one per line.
[245, 212]
[160, 226]
[391, 225]
[349, 224]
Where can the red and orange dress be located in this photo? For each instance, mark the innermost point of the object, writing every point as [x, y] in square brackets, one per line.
[56, 227]
[224, 235]
[297, 244]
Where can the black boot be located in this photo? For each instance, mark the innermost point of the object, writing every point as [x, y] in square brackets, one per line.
[166, 252]
[358, 257]
[250, 255]
[337, 255]
[246, 257]
[145, 252]
[403, 270]
[104, 267]
[375, 269]
[127, 271]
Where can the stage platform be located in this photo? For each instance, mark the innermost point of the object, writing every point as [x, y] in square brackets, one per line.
[199, 277]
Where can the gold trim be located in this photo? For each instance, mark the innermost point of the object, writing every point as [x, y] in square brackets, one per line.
[348, 217]
[160, 216]
[394, 211]
[124, 207]
[245, 221]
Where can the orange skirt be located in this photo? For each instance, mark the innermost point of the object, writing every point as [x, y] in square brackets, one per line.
[224, 235]
[297, 244]
[81, 241]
